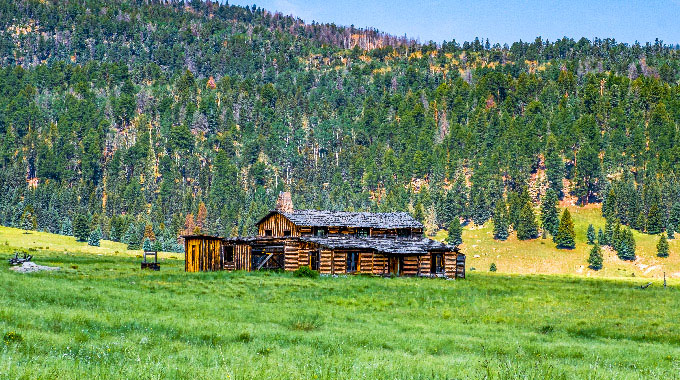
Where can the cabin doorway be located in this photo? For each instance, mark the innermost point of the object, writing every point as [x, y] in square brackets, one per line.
[314, 260]
[396, 264]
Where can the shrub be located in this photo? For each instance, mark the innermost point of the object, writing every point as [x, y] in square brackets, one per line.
[244, 337]
[305, 271]
[492, 268]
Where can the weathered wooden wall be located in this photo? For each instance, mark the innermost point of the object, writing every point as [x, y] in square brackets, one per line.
[242, 258]
[277, 223]
[203, 254]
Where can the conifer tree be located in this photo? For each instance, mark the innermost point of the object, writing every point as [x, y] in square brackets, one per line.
[66, 227]
[455, 237]
[527, 227]
[662, 247]
[626, 245]
[591, 234]
[554, 166]
[550, 219]
[608, 232]
[132, 237]
[500, 221]
[595, 258]
[600, 237]
[147, 247]
[81, 228]
[148, 232]
[670, 231]
[565, 237]
[654, 220]
[95, 237]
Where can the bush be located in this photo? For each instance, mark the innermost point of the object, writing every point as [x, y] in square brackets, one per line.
[305, 271]
[492, 268]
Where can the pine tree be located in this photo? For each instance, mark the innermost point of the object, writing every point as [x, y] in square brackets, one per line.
[527, 227]
[662, 247]
[565, 237]
[600, 237]
[674, 217]
[492, 267]
[554, 166]
[132, 237]
[670, 231]
[591, 234]
[147, 247]
[626, 245]
[95, 237]
[654, 220]
[608, 232]
[550, 219]
[81, 228]
[609, 204]
[500, 221]
[201, 217]
[595, 258]
[66, 227]
[455, 237]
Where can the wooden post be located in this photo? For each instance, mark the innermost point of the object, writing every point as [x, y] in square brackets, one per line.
[664, 280]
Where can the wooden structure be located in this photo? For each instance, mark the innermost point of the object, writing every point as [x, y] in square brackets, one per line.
[153, 265]
[333, 243]
[203, 253]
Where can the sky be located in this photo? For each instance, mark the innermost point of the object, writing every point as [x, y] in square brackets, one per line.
[499, 21]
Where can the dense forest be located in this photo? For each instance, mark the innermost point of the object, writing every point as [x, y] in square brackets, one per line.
[157, 117]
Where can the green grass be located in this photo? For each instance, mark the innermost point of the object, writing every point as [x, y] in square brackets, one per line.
[102, 317]
[540, 256]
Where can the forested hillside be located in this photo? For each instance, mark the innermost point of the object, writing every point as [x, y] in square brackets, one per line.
[175, 116]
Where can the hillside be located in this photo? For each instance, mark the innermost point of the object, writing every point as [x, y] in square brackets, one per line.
[540, 256]
[194, 115]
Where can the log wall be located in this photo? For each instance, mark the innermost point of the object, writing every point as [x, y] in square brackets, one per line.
[203, 254]
[242, 258]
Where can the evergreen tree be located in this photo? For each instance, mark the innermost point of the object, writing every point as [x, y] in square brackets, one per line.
[66, 227]
[662, 247]
[565, 237]
[147, 247]
[626, 245]
[595, 258]
[670, 231]
[674, 217]
[527, 227]
[455, 237]
[28, 219]
[157, 246]
[549, 214]
[81, 228]
[591, 234]
[554, 166]
[95, 237]
[600, 237]
[500, 221]
[132, 237]
[609, 232]
[654, 220]
[492, 267]
[148, 232]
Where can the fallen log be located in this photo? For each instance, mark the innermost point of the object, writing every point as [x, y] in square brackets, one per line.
[645, 286]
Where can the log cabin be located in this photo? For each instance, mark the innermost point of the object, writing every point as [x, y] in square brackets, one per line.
[331, 242]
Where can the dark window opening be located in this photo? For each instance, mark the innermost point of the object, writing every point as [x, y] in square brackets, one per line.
[320, 231]
[404, 233]
[286, 233]
[267, 232]
[229, 254]
[352, 262]
[362, 232]
[437, 263]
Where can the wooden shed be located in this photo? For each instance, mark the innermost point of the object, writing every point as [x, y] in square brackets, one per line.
[203, 253]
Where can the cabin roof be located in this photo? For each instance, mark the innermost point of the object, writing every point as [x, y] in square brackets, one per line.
[417, 246]
[320, 218]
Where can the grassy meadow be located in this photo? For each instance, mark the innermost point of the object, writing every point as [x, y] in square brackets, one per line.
[102, 317]
[540, 256]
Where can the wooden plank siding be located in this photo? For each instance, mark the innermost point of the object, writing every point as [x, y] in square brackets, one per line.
[277, 224]
[326, 261]
[291, 259]
[242, 259]
[203, 254]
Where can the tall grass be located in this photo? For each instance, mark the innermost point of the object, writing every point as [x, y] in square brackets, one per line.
[108, 319]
